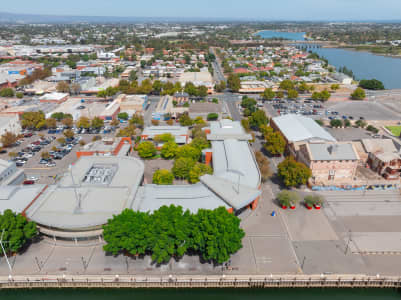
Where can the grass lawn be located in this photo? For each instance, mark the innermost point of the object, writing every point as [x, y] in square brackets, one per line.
[395, 130]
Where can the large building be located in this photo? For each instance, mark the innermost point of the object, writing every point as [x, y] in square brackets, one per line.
[329, 162]
[198, 79]
[10, 123]
[97, 187]
[298, 130]
[10, 174]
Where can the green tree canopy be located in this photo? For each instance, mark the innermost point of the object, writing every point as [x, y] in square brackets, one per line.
[358, 94]
[275, 143]
[199, 170]
[17, 231]
[32, 119]
[83, 122]
[189, 151]
[372, 84]
[163, 177]
[182, 166]
[185, 120]
[287, 85]
[146, 149]
[292, 94]
[123, 116]
[164, 138]
[171, 232]
[258, 118]
[268, 94]
[169, 150]
[293, 173]
[97, 123]
[234, 82]
[200, 143]
[7, 92]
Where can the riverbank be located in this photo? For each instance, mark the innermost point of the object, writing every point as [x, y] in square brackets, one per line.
[199, 281]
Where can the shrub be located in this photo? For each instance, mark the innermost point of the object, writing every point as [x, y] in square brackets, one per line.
[314, 199]
[146, 149]
[163, 177]
[212, 116]
[288, 198]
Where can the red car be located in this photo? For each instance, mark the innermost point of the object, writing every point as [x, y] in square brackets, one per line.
[28, 182]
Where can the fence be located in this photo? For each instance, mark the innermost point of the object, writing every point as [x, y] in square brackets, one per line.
[270, 281]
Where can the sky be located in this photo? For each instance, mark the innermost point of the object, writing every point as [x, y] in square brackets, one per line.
[233, 9]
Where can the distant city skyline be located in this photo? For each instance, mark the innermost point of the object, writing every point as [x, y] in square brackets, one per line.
[301, 10]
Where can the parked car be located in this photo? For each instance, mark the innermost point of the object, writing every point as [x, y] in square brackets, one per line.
[28, 182]
[51, 164]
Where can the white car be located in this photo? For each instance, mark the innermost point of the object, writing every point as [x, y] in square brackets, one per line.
[33, 178]
[51, 164]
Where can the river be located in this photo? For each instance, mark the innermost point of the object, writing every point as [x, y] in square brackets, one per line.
[365, 65]
[271, 34]
[200, 294]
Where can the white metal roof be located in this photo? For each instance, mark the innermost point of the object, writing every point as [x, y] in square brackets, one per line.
[298, 128]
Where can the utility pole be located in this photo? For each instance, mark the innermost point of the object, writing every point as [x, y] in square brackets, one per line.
[4, 251]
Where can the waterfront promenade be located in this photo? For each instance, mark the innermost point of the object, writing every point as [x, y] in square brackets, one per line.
[223, 281]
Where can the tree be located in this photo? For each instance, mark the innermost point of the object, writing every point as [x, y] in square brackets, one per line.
[68, 122]
[358, 94]
[335, 87]
[97, 123]
[314, 199]
[200, 143]
[336, 123]
[61, 141]
[292, 94]
[133, 76]
[137, 120]
[199, 170]
[69, 134]
[287, 85]
[245, 124]
[45, 155]
[123, 116]
[189, 151]
[325, 95]
[83, 122]
[372, 84]
[155, 122]
[169, 150]
[217, 234]
[234, 82]
[12, 154]
[212, 116]
[288, 198]
[128, 131]
[33, 119]
[182, 166]
[185, 120]
[147, 149]
[75, 88]
[8, 139]
[51, 123]
[293, 173]
[7, 92]
[258, 118]
[163, 177]
[275, 143]
[268, 94]
[63, 87]
[164, 138]
[361, 123]
[264, 166]
[102, 94]
[19, 95]
[17, 231]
